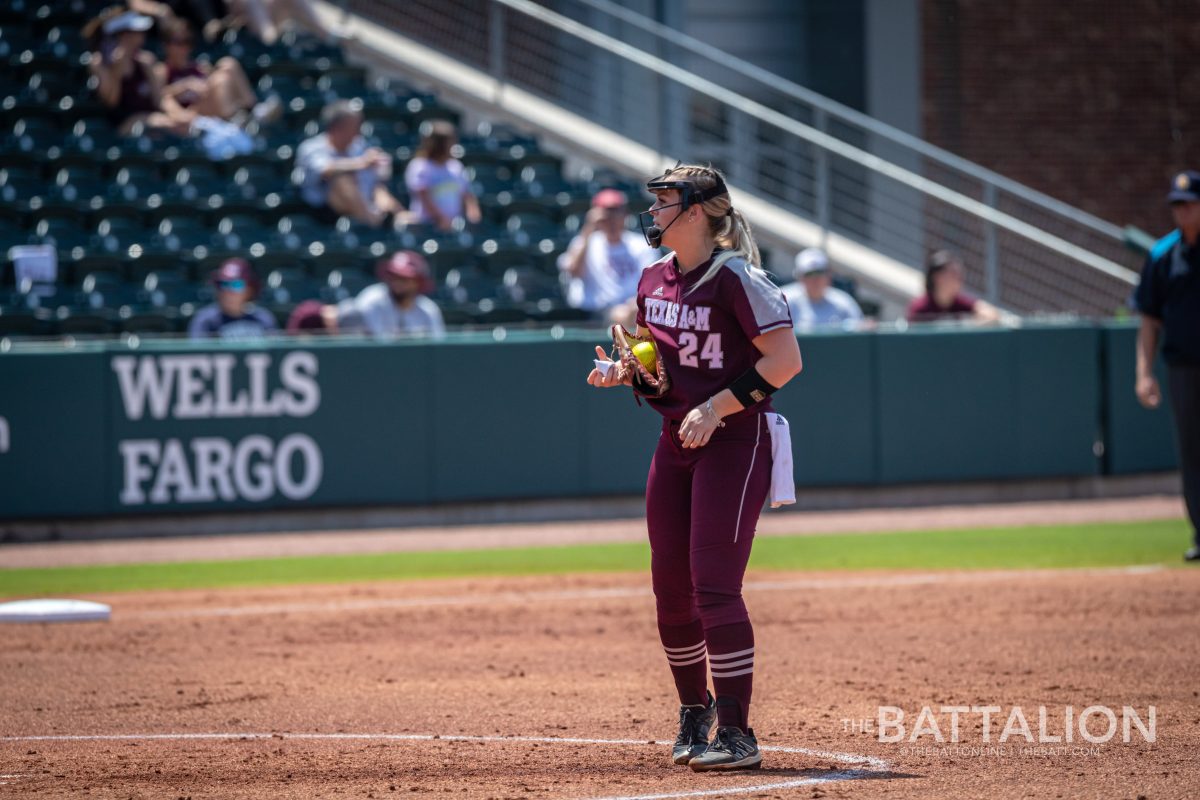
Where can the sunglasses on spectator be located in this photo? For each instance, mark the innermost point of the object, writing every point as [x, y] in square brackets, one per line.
[180, 41]
[232, 286]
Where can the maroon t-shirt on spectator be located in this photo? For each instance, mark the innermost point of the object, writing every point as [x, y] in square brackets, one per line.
[924, 309]
[192, 70]
[706, 337]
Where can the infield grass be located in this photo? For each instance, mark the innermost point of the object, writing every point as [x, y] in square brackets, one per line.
[1091, 545]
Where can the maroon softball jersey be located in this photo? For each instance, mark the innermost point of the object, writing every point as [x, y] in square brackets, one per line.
[705, 337]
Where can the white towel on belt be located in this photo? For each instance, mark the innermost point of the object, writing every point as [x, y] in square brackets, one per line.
[783, 485]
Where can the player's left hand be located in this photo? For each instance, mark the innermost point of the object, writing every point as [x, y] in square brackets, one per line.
[697, 428]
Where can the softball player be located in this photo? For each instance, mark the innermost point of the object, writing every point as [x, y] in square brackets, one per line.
[723, 333]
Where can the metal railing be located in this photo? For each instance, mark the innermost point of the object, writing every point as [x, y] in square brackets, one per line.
[843, 170]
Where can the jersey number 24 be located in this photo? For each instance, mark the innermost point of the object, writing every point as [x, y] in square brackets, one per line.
[689, 343]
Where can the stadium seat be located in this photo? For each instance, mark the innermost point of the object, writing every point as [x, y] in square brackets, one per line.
[297, 231]
[18, 187]
[176, 233]
[93, 263]
[20, 323]
[497, 255]
[526, 227]
[548, 311]
[144, 178]
[256, 180]
[528, 285]
[64, 234]
[167, 289]
[148, 321]
[239, 231]
[489, 180]
[147, 262]
[462, 286]
[69, 322]
[344, 284]
[489, 312]
[115, 234]
[92, 135]
[289, 285]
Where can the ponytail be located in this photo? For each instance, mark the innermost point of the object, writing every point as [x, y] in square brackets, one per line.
[732, 234]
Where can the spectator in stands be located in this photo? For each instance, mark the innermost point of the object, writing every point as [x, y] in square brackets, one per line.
[340, 176]
[206, 16]
[438, 189]
[266, 17]
[312, 317]
[222, 91]
[814, 301]
[1168, 297]
[128, 84]
[944, 298]
[233, 315]
[603, 263]
[397, 305]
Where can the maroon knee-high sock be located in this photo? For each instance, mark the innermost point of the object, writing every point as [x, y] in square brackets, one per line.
[685, 648]
[731, 660]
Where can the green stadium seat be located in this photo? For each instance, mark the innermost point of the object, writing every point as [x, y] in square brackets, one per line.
[548, 311]
[94, 264]
[116, 234]
[20, 187]
[177, 233]
[65, 234]
[343, 284]
[162, 321]
[25, 323]
[83, 323]
[146, 263]
[490, 312]
[528, 285]
[530, 226]
[462, 286]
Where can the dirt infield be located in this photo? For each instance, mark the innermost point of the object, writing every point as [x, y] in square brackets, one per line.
[324, 672]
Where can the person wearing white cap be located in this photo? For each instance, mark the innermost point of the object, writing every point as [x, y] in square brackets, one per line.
[128, 84]
[814, 301]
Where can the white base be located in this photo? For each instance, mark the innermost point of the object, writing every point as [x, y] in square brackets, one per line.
[53, 611]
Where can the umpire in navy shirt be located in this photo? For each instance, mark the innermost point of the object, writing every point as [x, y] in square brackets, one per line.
[1168, 298]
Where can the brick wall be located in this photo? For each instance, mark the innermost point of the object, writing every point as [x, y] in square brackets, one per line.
[1096, 102]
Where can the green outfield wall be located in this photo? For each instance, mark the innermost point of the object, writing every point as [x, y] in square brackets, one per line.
[113, 429]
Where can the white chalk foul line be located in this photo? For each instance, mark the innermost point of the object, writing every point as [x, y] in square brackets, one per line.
[866, 581]
[870, 766]
[832, 777]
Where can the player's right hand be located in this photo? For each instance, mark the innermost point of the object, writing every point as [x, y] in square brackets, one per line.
[601, 379]
[1148, 393]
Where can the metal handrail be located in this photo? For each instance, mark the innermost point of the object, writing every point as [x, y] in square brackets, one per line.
[824, 141]
[844, 112]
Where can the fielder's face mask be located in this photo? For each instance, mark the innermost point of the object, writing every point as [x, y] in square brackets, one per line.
[689, 196]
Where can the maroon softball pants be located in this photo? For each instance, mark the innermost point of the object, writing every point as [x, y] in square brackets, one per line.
[702, 508]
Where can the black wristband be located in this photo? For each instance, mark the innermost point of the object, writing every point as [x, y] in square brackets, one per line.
[751, 388]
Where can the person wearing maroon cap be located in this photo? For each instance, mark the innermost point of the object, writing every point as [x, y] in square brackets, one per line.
[724, 335]
[603, 263]
[233, 315]
[397, 305]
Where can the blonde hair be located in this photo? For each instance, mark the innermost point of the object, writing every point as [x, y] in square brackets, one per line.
[728, 227]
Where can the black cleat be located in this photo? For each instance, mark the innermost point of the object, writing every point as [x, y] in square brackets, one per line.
[694, 724]
[732, 749]
[1192, 554]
